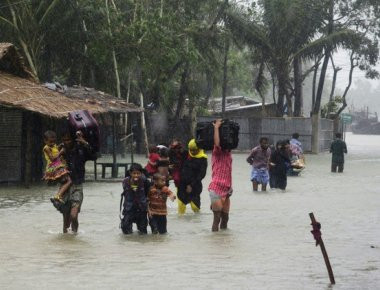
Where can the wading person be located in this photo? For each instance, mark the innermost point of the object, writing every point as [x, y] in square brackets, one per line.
[259, 159]
[76, 154]
[279, 163]
[220, 188]
[151, 166]
[193, 171]
[135, 206]
[177, 156]
[157, 210]
[338, 149]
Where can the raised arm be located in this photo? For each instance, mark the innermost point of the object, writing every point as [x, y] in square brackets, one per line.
[217, 125]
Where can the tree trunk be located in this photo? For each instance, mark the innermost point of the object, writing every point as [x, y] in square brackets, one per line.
[298, 88]
[315, 75]
[315, 133]
[225, 75]
[322, 76]
[114, 60]
[182, 92]
[143, 125]
[348, 85]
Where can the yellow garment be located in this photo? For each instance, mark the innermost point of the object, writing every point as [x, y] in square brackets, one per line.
[193, 146]
[181, 207]
[54, 151]
[194, 207]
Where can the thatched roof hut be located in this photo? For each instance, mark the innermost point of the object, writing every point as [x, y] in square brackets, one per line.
[18, 89]
[27, 108]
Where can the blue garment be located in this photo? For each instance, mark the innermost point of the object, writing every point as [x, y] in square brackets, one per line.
[261, 175]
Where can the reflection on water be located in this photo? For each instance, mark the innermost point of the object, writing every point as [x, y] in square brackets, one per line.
[268, 245]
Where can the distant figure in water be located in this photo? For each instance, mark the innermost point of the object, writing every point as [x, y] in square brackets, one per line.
[220, 188]
[259, 159]
[279, 163]
[338, 149]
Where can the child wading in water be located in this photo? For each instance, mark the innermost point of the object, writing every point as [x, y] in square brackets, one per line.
[157, 210]
[220, 188]
[135, 187]
[56, 170]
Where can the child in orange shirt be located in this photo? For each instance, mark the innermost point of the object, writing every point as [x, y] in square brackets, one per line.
[157, 210]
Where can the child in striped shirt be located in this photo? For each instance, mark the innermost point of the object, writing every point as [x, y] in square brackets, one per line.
[157, 210]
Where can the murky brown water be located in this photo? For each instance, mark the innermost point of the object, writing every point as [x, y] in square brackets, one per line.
[268, 245]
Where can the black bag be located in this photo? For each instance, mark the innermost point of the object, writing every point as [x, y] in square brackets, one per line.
[204, 135]
[228, 134]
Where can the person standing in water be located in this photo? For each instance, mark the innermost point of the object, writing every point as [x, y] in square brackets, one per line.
[193, 171]
[259, 159]
[338, 148]
[220, 188]
[76, 154]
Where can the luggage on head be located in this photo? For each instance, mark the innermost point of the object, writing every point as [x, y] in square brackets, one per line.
[85, 122]
[228, 134]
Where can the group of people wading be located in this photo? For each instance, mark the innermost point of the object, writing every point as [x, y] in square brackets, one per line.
[146, 190]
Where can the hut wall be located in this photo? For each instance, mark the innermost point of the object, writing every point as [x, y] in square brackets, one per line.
[10, 145]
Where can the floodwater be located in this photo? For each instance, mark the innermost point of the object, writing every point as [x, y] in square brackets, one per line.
[268, 245]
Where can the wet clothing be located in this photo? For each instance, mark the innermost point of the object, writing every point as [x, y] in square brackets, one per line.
[55, 169]
[261, 176]
[176, 159]
[157, 200]
[335, 166]
[338, 148]
[259, 157]
[221, 178]
[135, 205]
[192, 173]
[158, 224]
[153, 158]
[74, 198]
[76, 159]
[297, 143]
[278, 172]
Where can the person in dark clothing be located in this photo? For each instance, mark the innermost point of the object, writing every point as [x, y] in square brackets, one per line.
[279, 163]
[177, 156]
[193, 171]
[76, 154]
[338, 149]
[135, 206]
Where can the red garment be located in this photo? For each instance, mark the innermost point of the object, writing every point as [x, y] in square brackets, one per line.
[221, 180]
[153, 157]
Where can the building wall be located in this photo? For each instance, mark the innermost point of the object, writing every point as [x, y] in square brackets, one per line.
[10, 145]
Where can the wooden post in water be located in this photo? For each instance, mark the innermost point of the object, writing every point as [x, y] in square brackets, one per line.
[318, 241]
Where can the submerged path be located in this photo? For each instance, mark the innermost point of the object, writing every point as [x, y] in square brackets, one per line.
[268, 245]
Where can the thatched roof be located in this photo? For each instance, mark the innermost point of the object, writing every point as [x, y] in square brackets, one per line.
[12, 62]
[19, 90]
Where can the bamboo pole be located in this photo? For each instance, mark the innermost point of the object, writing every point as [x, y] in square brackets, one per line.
[143, 124]
[318, 238]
